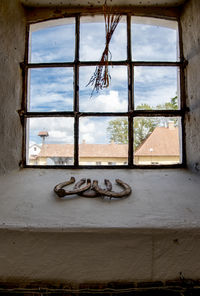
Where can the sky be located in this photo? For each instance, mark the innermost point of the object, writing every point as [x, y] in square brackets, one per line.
[51, 89]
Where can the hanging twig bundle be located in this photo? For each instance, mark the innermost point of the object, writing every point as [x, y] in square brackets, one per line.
[101, 77]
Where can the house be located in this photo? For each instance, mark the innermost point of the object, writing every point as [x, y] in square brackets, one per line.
[34, 150]
[161, 147]
[92, 154]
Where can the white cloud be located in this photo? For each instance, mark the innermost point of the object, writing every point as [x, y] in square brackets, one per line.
[155, 85]
[106, 103]
[60, 129]
[93, 130]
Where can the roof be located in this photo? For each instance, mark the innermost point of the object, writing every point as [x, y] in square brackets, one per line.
[161, 142]
[33, 145]
[86, 150]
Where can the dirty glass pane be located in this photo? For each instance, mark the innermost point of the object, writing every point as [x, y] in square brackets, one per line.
[154, 39]
[92, 39]
[103, 141]
[157, 140]
[52, 41]
[156, 88]
[50, 141]
[111, 99]
[51, 89]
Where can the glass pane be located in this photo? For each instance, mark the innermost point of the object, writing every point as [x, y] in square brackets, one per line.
[157, 140]
[52, 41]
[103, 141]
[51, 89]
[118, 44]
[50, 141]
[92, 39]
[111, 99]
[154, 39]
[156, 88]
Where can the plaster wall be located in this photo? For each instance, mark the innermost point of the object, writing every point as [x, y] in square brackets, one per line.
[12, 36]
[151, 235]
[190, 22]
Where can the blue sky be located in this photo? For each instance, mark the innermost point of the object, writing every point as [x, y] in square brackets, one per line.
[51, 89]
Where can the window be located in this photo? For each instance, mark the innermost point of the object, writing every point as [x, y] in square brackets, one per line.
[136, 122]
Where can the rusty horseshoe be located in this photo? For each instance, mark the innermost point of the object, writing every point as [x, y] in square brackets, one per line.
[91, 193]
[103, 192]
[58, 189]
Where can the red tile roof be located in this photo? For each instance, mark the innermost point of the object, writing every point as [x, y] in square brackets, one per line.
[86, 150]
[161, 142]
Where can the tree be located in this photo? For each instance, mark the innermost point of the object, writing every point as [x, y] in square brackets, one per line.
[118, 128]
[143, 127]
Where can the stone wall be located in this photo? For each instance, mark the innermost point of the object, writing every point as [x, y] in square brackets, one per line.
[190, 22]
[12, 36]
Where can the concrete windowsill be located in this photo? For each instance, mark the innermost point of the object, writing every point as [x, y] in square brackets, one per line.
[168, 199]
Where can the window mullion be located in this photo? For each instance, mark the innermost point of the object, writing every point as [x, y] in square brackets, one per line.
[130, 93]
[76, 92]
[182, 92]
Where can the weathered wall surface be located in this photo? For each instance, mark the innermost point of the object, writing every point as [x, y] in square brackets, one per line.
[151, 235]
[191, 46]
[78, 257]
[12, 36]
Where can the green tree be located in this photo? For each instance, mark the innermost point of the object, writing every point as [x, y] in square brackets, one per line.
[143, 127]
[172, 105]
[118, 128]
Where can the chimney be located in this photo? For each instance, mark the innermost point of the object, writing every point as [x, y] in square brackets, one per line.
[43, 135]
[171, 125]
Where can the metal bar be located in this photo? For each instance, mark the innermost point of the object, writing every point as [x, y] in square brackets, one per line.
[130, 93]
[76, 92]
[133, 113]
[156, 64]
[169, 166]
[159, 113]
[95, 63]
[130, 141]
[24, 98]
[49, 114]
[130, 68]
[182, 92]
[50, 65]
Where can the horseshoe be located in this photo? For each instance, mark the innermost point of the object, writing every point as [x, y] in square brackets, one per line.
[91, 193]
[125, 192]
[58, 189]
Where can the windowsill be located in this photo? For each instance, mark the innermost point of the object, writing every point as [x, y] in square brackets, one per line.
[160, 199]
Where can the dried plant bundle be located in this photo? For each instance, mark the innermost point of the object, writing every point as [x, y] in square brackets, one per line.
[101, 77]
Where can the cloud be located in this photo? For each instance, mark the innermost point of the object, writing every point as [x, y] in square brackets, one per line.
[53, 44]
[118, 84]
[155, 85]
[60, 129]
[52, 88]
[93, 130]
[105, 103]
[151, 42]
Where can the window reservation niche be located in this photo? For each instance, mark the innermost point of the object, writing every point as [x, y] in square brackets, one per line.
[135, 122]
